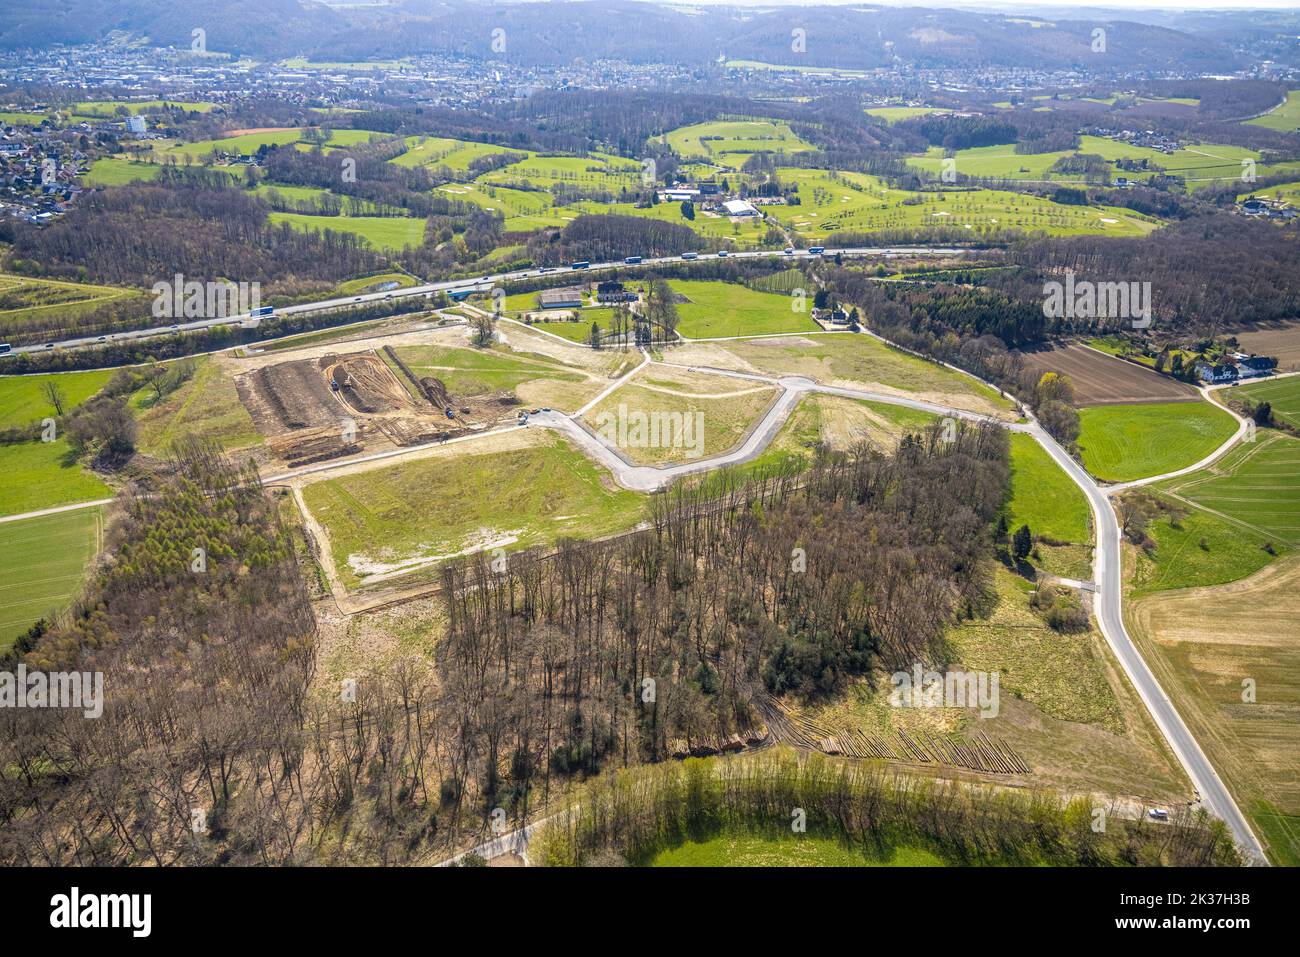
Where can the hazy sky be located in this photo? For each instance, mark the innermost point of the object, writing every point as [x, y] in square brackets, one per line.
[1000, 6]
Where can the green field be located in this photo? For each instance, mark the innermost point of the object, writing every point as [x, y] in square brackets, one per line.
[34, 303]
[1119, 443]
[856, 202]
[391, 233]
[731, 142]
[1282, 393]
[802, 850]
[892, 114]
[206, 405]
[456, 155]
[993, 162]
[411, 515]
[1043, 496]
[1285, 118]
[594, 172]
[136, 107]
[719, 309]
[857, 361]
[23, 401]
[111, 171]
[37, 475]
[43, 562]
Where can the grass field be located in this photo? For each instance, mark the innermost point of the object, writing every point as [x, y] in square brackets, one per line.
[729, 309]
[206, 405]
[1205, 644]
[837, 423]
[112, 171]
[392, 233]
[717, 413]
[23, 401]
[731, 142]
[36, 475]
[1285, 118]
[892, 114]
[535, 378]
[795, 850]
[1119, 443]
[1282, 394]
[742, 232]
[1043, 496]
[136, 107]
[43, 562]
[28, 304]
[597, 171]
[857, 202]
[852, 360]
[438, 151]
[408, 516]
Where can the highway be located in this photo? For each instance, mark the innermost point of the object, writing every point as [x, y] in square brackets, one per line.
[480, 284]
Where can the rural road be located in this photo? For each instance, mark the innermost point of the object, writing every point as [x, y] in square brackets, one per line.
[480, 284]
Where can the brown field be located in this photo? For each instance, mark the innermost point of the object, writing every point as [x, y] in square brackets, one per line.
[1100, 379]
[1280, 339]
[1204, 643]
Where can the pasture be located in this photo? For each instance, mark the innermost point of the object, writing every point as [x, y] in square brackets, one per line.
[1043, 496]
[718, 309]
[23, 399]
[389, 233]
[732, 142]
[793, 850]
[1119, 443]
[1283, 394]
[857, 202]
[1285, 118]
[526, 490]
[43, 562]
[37, 475]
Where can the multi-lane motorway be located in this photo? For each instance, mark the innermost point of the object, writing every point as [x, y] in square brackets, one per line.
[479, 284]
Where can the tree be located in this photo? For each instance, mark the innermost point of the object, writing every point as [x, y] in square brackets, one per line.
[1022, 543]
[688, 209]
[1263, 413]
[484, 329]
[594, 338]
[54, 394]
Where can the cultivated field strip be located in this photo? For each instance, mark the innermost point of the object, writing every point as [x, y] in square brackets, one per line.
[979, 753]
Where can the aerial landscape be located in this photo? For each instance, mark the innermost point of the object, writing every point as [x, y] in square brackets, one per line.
[638, 435]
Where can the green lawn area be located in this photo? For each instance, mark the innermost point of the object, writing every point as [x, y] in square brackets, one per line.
[596, 171]
[112, 171]
[28, 304]
[414, 514]
[732, 142]
[579, 331]
[36, 475]
[456, 155]
[996, 162]
[1119, 443]
[206, 405]
[392, 233]
[135, 107]
[861, 361]
[744, 232]
[857, 202]
[369, 283]
[1283, 394]
[536, 379]
[796, 850]
[1285, 118]
[892, 114]
[729, 309]
[1245, 502]
[1043, 496]
[43, 562]
[23, 401]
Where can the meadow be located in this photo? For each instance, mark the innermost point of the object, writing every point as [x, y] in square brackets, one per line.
[1283, 394]
[37, 475]
[30, 305]
[794, 850]
[43, 562]
[408, 516]
[718, 309]
[1285, 118]
[716, 414]
[1119, 443]
[207, 405]
[731, 142]
[857, 202]
[23, 401]
[391, 233]
[1043, 496]
[535, 378]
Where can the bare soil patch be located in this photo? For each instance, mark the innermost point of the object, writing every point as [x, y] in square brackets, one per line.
[1279, 339]
[1100, 379]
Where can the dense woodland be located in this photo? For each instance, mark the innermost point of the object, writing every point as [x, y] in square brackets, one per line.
[540, 675]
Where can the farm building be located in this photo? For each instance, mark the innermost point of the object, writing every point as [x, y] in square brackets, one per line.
[1216, 373]
[568, 297]
[1248, 367]
[613, 291]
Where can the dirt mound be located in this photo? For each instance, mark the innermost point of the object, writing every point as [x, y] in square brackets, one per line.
[288, 396]
[367, 384]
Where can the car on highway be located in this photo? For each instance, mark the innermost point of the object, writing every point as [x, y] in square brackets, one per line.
[632, 260]
[789, 250]
[690, 255]
[48, 345]
[722, 254]
[102, 339]
[1158, 814]
[5, 348]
